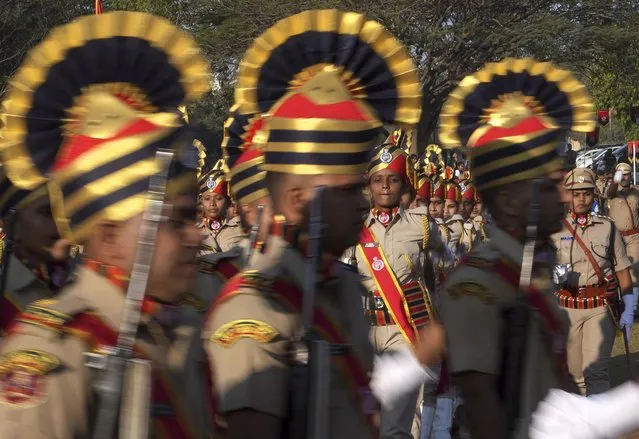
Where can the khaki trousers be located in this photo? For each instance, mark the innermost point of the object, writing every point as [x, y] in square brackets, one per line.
[590, 340]
[632, 249]
[395, 423]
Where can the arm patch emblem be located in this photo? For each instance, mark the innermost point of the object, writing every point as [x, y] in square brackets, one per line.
[229, 333]
[22, 377]
[471, 289]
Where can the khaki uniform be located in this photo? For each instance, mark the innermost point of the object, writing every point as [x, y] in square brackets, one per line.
[471, 311]
[252, 370]
[228, 236]
[404, 237]
[57, 399]
[592, 329]
[624, 210]
[22, 289]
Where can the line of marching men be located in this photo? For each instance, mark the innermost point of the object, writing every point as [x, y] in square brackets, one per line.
[96, 153]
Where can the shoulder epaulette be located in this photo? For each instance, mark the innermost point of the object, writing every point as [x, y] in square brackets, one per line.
[607, 218]
[51, 314]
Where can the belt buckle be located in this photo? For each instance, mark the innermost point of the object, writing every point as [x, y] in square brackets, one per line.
[379, 303]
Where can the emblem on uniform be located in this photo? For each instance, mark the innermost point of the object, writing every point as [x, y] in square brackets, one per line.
[215, 225]
[370, 245]
[22, 377]
[231, 332]
[379, 303]
[377, 264]
[386, 157]
[384, 218]
[581, 179]
[210, 183]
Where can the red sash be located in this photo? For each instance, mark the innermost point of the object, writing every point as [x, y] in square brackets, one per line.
[511, 273]
[97, 333]
[354, 370]
[387, 285]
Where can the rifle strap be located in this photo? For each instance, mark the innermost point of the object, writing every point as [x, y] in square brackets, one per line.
[586, 250]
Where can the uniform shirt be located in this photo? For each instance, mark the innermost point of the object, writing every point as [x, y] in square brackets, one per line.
[253, 372]
[479, 224]
[471, 305]
[623, 209]
[597, 237]
[602, 187]
[404, 236]
[62, 400]
[22, 289]
[228, 236]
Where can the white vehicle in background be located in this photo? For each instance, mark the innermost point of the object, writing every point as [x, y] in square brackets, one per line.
[586, 158]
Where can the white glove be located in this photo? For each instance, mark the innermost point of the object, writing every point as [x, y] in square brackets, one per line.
[607, 416]
[397, 374]
[618, 176]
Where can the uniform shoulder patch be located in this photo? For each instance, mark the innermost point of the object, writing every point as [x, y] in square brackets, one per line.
[22, 377]
[231, 332]
[475, 289]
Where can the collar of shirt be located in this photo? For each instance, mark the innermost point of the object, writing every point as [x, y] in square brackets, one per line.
[165, 314]
[396, 214]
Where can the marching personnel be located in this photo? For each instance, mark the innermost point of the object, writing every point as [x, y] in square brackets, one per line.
[390, 258]
[219, 232]
[592, 262]
[470, 211]
[247, 184]
[32, 272]
[255, 324]
[111, 144]
[623, 205]
[462, 235]
[506, 334]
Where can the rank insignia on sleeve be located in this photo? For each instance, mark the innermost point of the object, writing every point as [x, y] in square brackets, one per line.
[471, 289]
[22, 377]
[229, 333]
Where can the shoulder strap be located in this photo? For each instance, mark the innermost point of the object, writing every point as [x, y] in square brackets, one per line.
[585, 249]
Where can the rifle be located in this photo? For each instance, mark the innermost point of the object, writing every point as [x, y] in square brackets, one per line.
[115, 364]
[310, 378]
[514, 374]
[7, 251]
[255, 229]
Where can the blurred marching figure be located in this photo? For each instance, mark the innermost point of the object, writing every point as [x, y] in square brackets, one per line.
[98, 121]
[505, 332]
[280, 333]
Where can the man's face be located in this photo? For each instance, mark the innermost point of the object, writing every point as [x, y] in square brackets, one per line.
[625, 180]
[551, 209]
[406, 199]
[35, 231]
[582, 200]
[174, 265]
[436, 207]
[214, 205]
[386, 188]
[466, 209]
[419, 201]
[344, 208]
[478, 209]
[450, 209]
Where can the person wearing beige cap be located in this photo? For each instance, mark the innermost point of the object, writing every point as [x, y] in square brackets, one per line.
[623, 208]
[591, 265]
